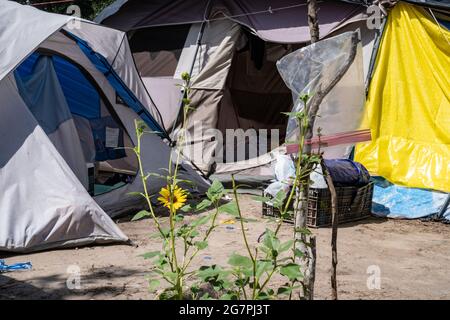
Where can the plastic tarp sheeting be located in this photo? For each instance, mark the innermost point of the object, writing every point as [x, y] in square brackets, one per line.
[394, 201]
[284, 169]
[408, 105]
[281, 21]
[439, 4]
[309, 68]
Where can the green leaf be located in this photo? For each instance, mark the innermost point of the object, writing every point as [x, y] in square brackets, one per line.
[284, 291]
[208, 273]
[136, 194]
[155, 235]
[291, 271]
[230, 208]
[304, 231]
[206, 296]
[181, 181]
[140, 215]
[152, 174]
[278, 201]
[261, 199]
[236, 260]
[263, 266]
[203, 205]
[165, 231]
[193, 233]
[271, 241]
[172, 276]
[201, 245]
[298, 253]
[179, 218]
[153, 284]
[228, 296]
[150, 255]
[216, 191]
[286, 246]
[187, 208]
[200, 221]
[262, 296]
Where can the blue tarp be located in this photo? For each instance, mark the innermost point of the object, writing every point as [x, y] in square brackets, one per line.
[393, 201]
[38, 86]
[14, 267]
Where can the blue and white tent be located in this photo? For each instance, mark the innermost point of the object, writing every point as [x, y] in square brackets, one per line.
[69, 97]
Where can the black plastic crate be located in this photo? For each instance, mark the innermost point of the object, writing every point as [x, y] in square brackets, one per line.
[270, 211]
[353, 204]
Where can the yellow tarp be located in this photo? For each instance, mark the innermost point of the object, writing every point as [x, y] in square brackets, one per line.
[408, 107]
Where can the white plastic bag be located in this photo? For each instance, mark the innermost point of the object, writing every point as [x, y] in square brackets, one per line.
[284, 174]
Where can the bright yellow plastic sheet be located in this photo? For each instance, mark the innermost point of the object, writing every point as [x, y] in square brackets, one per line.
[408, 107]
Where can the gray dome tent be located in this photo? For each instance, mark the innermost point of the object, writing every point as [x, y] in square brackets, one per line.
[69, 96]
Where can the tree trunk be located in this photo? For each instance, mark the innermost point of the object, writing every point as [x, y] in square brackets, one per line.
[313, 22]
[334, 222]
[301, 203]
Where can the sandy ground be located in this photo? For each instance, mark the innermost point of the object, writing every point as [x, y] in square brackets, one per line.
[412, 256]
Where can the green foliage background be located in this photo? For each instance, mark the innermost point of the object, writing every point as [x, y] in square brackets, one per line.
[89, 8]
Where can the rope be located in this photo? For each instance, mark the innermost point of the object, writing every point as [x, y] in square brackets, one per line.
[439, 26]
[269, 10]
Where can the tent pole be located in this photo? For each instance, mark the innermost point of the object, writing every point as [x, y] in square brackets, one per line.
[376, 47]
[197, 48]
[444, 207]
[200, 35]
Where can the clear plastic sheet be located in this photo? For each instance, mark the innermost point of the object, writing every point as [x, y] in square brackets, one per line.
[308, 68]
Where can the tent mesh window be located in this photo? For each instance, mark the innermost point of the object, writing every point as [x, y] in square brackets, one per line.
[157, 50]
[258, 95]
[102, 135]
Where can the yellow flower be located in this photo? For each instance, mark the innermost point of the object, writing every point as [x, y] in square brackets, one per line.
[229, 221]
[177, 198]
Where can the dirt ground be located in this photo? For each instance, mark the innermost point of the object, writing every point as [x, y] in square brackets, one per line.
[413, 258]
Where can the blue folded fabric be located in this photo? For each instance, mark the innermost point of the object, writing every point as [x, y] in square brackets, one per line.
[345, 172]
[14, 267]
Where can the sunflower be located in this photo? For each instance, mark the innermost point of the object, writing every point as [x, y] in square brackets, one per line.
[177, 197]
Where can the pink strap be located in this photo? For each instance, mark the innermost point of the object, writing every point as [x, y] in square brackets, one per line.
[334, 140]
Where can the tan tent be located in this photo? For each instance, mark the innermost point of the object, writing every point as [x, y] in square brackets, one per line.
[231, 49]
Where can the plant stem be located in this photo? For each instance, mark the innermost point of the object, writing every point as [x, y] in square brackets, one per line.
[241, 220]
[144, 183]
[211, 228]
[243, 231]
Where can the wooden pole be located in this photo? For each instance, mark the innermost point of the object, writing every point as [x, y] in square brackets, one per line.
[334, 222]
[301, 202]
[313, 22]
